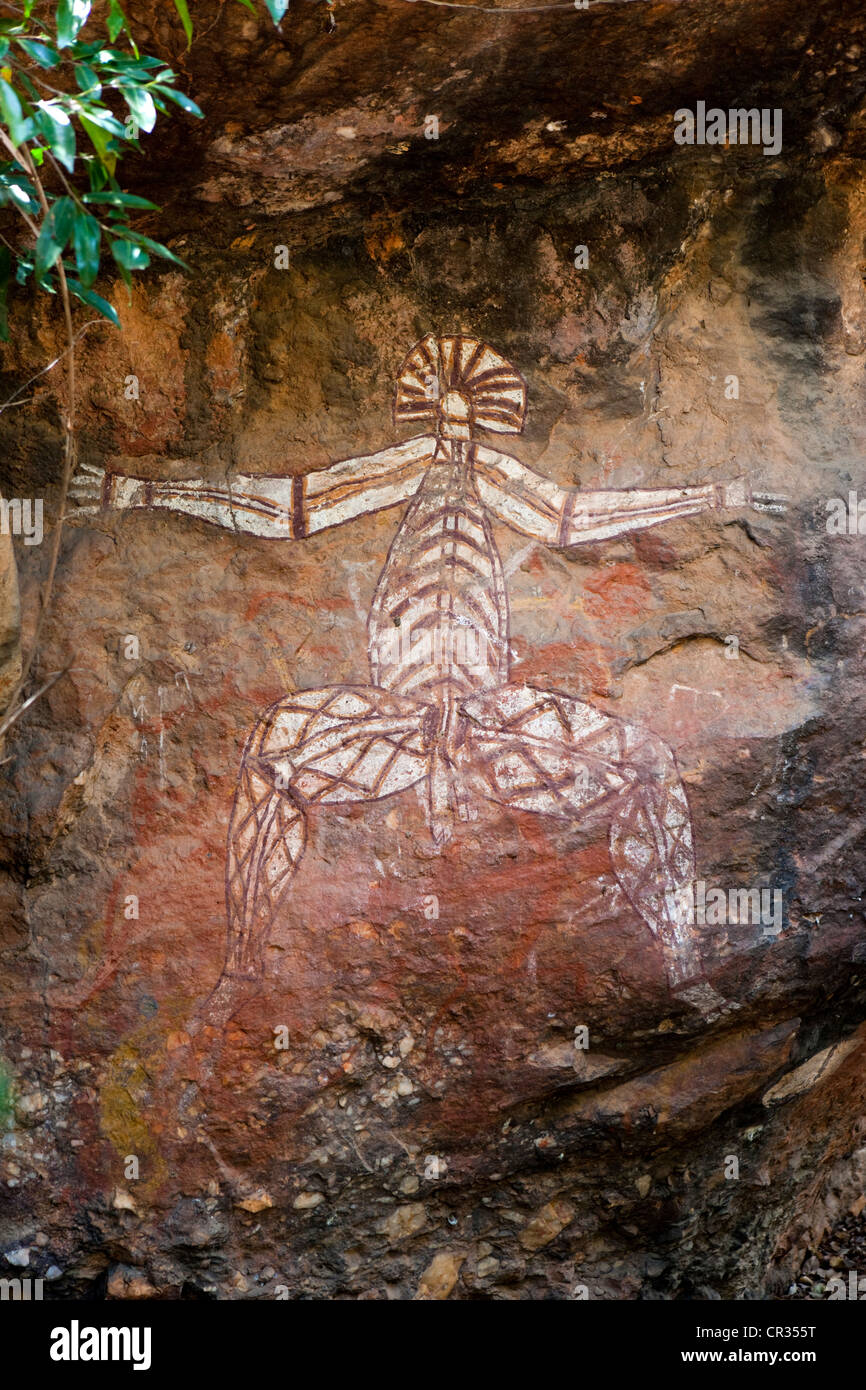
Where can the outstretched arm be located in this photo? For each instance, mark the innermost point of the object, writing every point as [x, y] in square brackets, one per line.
[537, 507]
[288, 507]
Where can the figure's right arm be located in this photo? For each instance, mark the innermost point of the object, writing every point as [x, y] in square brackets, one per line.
[281, 506]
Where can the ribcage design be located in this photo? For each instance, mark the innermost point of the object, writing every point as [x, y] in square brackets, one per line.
[439, 623]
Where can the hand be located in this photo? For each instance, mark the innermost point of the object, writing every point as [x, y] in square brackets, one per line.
[85, 489]
[775, 502]
[738, 493]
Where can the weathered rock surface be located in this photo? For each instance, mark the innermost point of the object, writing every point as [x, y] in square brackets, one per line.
[433, 1128]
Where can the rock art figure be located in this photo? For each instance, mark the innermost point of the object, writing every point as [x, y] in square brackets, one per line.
[440, 710]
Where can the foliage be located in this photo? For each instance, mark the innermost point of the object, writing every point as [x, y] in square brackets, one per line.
[72, 104]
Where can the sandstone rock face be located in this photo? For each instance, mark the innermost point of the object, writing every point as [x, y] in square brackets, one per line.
[464, 1073]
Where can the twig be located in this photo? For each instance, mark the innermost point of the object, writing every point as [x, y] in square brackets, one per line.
[16, 714]
[24, 158]
[10, 400]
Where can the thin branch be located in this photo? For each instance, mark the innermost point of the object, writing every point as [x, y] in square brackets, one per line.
[13, 150]
[16, 714]
[25, 159]
[11, 400]
[31, 73]
[73, 192]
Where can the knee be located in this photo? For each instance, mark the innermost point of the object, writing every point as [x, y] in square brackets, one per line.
[649, 755]
[263, 728]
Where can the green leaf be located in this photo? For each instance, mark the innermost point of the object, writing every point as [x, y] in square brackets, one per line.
[97, 115]
[277, 9]
[184, 102]
[129, 256]
[117, 20]
[155, 246]
[183, 10]
[120, 200]
[86, 239]
[54, 235]
[100, 141]
[116, 58]
[140, 104]
[44, 54]
[53, 122]
[94, 300]
[28, 86]
[19, 126]
[17, 190]
[125, 275]
[99, 176]
[71, 16]
[87, 80]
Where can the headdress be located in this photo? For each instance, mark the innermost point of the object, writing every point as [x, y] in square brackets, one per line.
[459, 377]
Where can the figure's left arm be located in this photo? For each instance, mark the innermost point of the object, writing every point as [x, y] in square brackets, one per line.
[535, 506]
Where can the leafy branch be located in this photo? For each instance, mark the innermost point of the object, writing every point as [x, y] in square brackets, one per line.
[48, 130]
[71, 107]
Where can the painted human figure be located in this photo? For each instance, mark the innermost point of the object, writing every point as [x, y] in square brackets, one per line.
[440, 710]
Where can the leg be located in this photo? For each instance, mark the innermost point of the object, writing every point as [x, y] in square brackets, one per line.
[266, 839]
[543, 751]
[652, 852]
[337, 744]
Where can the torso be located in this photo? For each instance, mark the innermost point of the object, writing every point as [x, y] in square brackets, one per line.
[438, 627]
